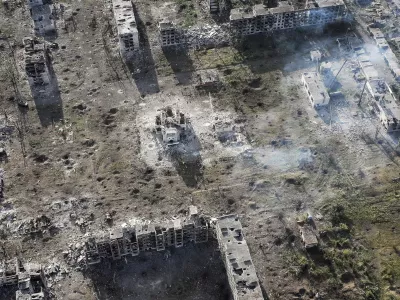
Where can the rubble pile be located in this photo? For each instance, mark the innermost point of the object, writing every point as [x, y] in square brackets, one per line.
[55, 273]
[75, 255]
[9, 224]
[34, 225]
[208, 36]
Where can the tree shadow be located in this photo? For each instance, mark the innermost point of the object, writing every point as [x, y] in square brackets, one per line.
[47, 99]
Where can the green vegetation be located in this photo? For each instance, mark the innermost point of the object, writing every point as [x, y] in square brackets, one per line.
[369, 216]
[187, 9]
[359, 245]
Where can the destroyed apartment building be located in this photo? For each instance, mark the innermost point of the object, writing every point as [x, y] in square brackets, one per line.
[170, 35]
[171, 125]
[388, 55]
[218, 6]
[125, 241]
[127, 28]
[285, 16]
[42, 14]
[36, 61]
[383, 100]
[193, 228]
[214, 6]
[316, 90]
[235, 253]
[385, 104]
[28, 278]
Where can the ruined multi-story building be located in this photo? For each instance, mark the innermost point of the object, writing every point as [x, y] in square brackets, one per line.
[123, 241]
[385, 104]
[214, 6]
[170, 125]
[42, 14]
[36, 61]
[127, 28]
[388, 55]
[383, 100]
[29, 279]
[235, 253]
[170, 35]
[218, 6]
[285, 16]
[177, 233]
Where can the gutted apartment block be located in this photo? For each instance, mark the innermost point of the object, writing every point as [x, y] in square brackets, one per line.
[284, 16]
[390, 58]
[385, 104]
[235, 253]
[125, 241]
[315, 88]
[214, 6]
[383, 100]
[28, 278]
[170, 35]
[193, 228]
[126, 25]
[36, 61]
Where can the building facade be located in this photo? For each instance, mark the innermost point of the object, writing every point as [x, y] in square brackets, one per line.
[262, 19]
[127, 28]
